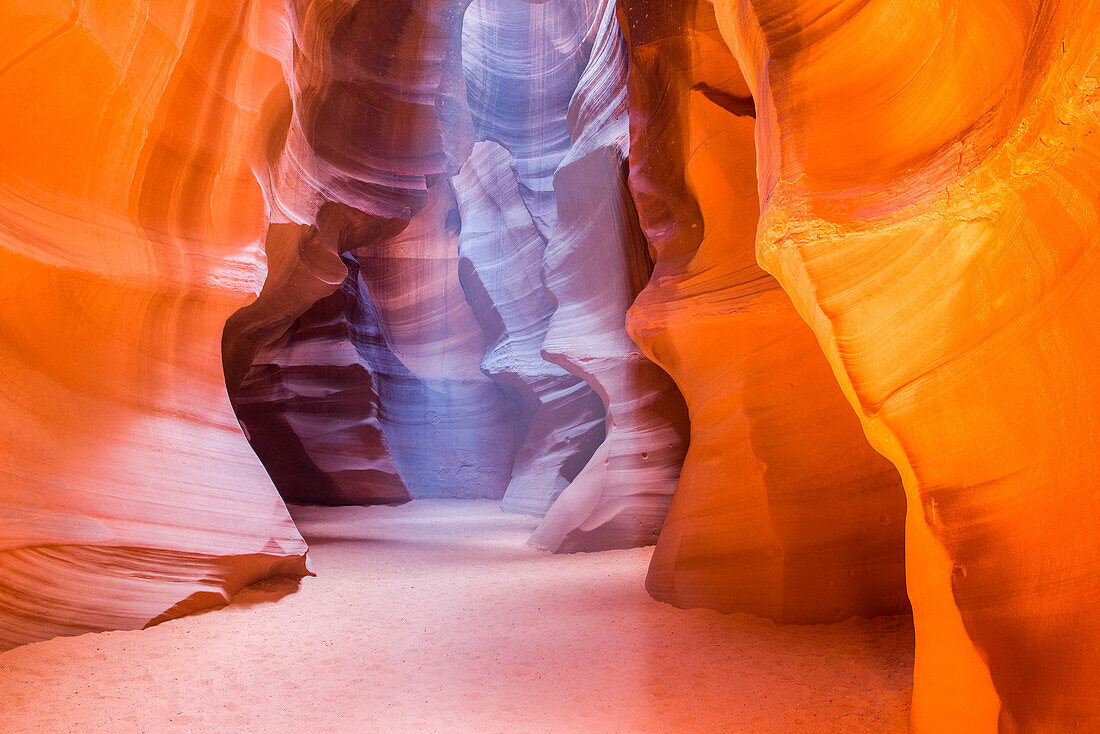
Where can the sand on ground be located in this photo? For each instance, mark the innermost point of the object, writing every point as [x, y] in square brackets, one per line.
[436, 617]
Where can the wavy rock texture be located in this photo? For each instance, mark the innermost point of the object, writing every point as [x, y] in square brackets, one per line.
[561, 417]
[927, 175]
[522, 62]
[311, 413]
[450, 427]
[595, 265]
[129, 231]
[783, 510]
[431, 321]
[362, 153]
[371, 117]
[356, 151]
[931, 204]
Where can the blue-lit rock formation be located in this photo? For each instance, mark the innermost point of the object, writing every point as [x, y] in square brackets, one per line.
[311, 412]
[451, 429]
[358, 147]
[450, 295]
[562, 418]
[596, 263]
[522, 62]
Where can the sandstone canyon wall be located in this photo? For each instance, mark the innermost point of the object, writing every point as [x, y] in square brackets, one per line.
[452, 427]
[595, 265]
[451, 302]
[130, 229]
[783, 509]
[311, 411]
[502, 250]
[522, 62]
[834, 225]
[359, 146]
[930, 203]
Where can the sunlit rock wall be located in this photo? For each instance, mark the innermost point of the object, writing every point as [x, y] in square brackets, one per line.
[130, 229]
[929, 179]
[783, 509]
[457, 208]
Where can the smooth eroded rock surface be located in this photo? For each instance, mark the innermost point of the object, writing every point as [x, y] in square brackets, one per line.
[359, 147]
[782, 509]
[931, 205]
[130, 228]
[311, 410]
[595, 265]
[561, 418]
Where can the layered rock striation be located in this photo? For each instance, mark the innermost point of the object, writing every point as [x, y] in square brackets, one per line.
[782, 510]
[930, 204]
[561, 417]
[837, 225]
[311, 411]
[522, 62]
[595, 265]
[359, 149]
[451, 428]
[130, 229]
[446, 305]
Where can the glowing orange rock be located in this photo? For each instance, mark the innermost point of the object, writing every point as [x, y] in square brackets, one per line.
[929, 173]
[130, 225]
[782, 509]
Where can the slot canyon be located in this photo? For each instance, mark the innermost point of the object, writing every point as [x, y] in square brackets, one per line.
[550, 366]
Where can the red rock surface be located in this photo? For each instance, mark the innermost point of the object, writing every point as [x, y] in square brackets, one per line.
[783, 509]
[928, 177]
[454, 208]
[130, 229]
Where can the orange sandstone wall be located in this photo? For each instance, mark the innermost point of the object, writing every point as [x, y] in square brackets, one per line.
[130, 225]
[929, 179]
[783, 509]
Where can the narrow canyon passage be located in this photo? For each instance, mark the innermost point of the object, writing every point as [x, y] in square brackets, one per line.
[435, 616]
[737, 360]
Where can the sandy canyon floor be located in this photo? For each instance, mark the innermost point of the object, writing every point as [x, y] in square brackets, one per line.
[435, 617]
